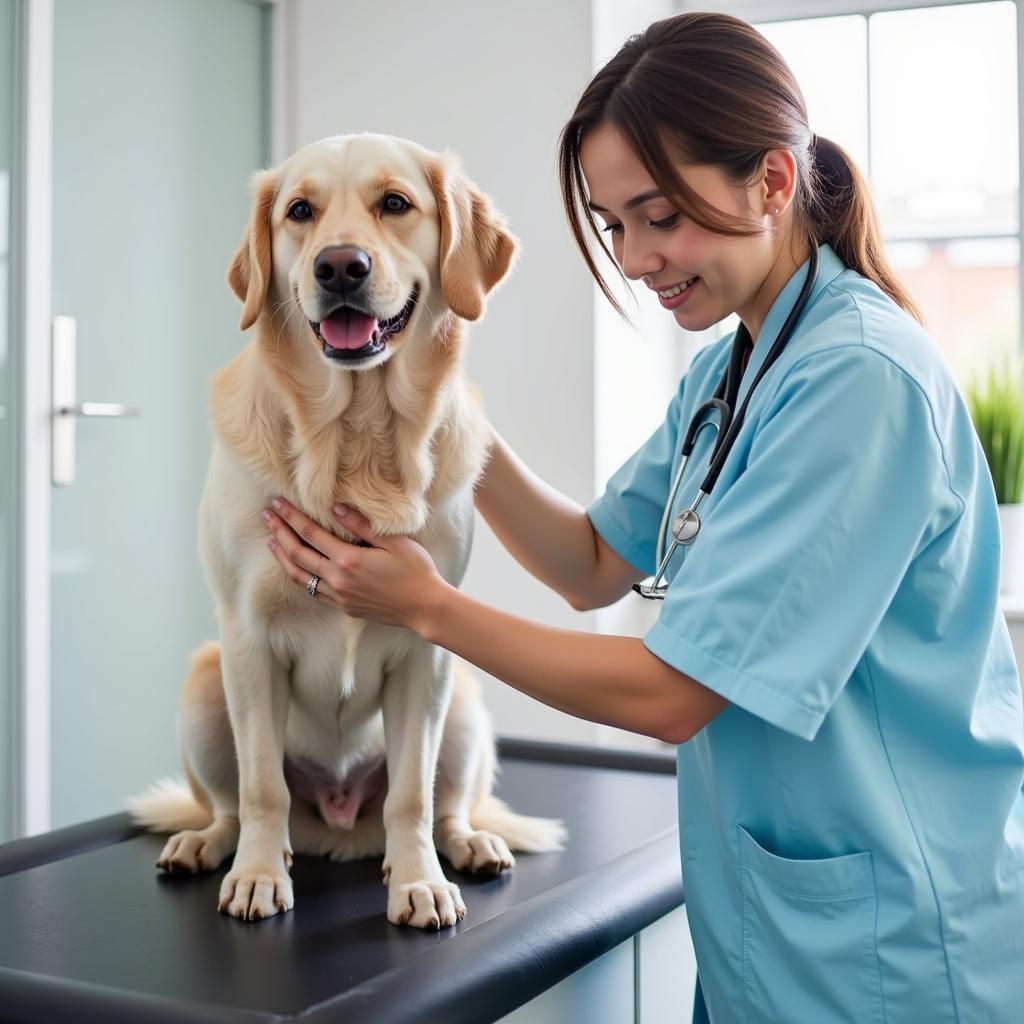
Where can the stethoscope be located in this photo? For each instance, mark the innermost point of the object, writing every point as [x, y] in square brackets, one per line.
[687, 524]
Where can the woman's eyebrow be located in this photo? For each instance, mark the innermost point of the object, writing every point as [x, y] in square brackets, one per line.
[635, 201]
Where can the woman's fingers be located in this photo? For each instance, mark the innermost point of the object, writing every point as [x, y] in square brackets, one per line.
[291, 528]
[311, 533]
[355, 522]
[300, 574]
[304, 548]
[304, 559]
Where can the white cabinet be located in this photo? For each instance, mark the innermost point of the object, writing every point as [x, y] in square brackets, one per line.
[648, 979]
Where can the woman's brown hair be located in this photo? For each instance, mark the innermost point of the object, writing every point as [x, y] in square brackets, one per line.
[710, 89]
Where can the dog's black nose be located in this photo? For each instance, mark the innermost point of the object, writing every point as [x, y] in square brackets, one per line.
[341, 268]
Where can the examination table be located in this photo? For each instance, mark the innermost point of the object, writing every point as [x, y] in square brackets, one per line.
[90, 930]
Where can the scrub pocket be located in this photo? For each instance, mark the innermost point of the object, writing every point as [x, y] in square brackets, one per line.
[809, 951]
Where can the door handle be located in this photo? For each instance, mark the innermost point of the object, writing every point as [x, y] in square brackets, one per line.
[66, 409]
[97, 409]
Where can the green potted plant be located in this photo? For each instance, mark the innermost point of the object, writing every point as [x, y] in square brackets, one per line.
[996, 402]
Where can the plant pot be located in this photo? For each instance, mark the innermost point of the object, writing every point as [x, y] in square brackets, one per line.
[1011, 527]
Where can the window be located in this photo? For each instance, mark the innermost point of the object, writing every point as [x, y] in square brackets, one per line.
[925, 100]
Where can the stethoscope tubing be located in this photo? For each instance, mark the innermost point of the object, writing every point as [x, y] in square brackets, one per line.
[723, 442]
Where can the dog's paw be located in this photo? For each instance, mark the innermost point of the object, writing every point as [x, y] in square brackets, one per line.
[426, 904]
[253, 893]
[482, 853]
[192, 852]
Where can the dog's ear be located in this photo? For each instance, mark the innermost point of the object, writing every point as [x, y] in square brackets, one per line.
[249, 273]
[477, 249]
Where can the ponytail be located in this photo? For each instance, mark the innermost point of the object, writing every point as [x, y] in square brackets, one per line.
[838, 209]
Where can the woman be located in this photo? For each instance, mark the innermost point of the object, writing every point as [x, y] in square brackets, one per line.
[830, 655]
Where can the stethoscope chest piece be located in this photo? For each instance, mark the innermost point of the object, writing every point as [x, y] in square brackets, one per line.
[686, 526]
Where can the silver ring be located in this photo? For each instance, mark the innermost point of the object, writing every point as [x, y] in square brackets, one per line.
[314, 582]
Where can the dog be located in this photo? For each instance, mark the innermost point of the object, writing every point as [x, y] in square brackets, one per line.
[305, 730]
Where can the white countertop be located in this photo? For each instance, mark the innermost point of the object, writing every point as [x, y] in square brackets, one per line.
[1013, 607]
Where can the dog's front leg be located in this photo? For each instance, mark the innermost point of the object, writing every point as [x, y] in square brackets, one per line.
[416, 696]
[256, 686]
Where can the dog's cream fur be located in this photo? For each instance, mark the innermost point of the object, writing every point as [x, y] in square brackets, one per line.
[285, 725]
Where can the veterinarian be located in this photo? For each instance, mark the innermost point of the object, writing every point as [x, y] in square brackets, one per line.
[830, 656]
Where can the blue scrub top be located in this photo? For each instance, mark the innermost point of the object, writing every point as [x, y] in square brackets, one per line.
[852, 824]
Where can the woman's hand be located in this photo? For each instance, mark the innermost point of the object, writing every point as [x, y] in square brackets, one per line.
[394, 581]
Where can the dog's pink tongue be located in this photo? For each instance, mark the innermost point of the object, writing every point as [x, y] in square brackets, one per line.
[347, 329]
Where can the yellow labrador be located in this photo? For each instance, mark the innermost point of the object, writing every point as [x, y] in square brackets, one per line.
[303, 729]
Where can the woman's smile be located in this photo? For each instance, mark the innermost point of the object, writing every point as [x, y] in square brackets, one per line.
[674, 297]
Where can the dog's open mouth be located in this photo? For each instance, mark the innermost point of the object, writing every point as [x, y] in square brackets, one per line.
[350, 335]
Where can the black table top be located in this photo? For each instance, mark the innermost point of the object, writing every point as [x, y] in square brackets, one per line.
[92, 931]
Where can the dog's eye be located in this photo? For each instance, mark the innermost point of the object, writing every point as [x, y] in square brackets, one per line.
[300, 210]
[394, 203]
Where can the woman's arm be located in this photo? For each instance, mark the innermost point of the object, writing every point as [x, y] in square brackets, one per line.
[614, 680]
[549, 534]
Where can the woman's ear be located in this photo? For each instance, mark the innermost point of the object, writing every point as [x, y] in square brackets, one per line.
[477, 248]
[249, 273]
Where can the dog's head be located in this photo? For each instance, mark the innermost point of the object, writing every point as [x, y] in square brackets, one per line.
[363, 242]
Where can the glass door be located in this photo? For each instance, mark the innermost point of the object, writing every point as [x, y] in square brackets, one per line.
[135, 127]
[159, 118]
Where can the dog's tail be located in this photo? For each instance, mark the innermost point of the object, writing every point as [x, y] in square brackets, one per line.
[528, 835]
[169, 806]
[173, 805]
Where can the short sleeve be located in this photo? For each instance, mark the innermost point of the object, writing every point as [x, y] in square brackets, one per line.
[796, 564]
[628, 514]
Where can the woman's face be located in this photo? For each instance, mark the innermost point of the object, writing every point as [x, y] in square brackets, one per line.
[653, 241]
